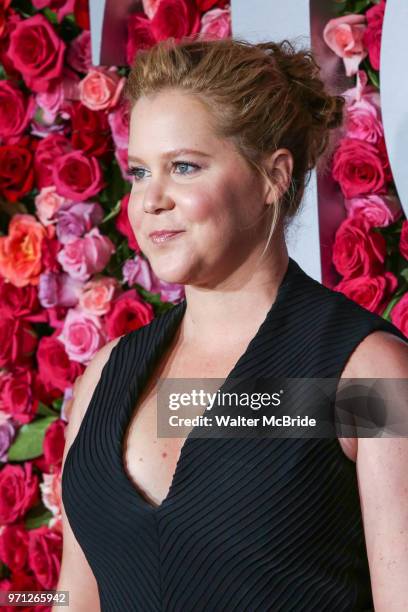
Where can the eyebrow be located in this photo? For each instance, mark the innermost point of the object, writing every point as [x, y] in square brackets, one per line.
[172, 153]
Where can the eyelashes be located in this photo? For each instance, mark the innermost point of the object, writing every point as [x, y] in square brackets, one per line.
[134, 171]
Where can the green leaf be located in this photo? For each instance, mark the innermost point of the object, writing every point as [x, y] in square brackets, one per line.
[37, 516]
[115, 211]
[404, 274]
[390, 306]
[50, 15]
[374, 76]
[44, 410]
[57, 403]
[29, 441]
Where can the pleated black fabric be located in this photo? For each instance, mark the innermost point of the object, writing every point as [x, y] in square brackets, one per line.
[249, 524]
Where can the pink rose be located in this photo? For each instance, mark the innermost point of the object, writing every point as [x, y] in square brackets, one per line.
[119, 124]
[371, 292]
[48, 150]
[97, 295]
[399, 314]
[344, 36]
[56, 289]
[128, 312]
[37, 52]
[86, 256]
[358, 168]
[358, 250]
[379, 211]
[138, 271]
[47, 203]
[52, 102]
[16, 110]
[150, 7]
[403, 243]
[79, 52]
[216, 24]
[122, 224]
[101, 88]
[372, 35]
[77, 177]
[121, 156]
[74, 220]
[363, 121]
[51, 494]
[82, 335]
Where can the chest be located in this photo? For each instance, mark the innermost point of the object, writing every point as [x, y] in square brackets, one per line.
[150, 461]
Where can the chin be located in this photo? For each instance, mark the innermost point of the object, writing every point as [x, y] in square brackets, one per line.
[170, 274]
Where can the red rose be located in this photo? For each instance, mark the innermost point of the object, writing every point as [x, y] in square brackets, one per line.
[47, 151]
[358, 168]
[371, 292]
[17, 341]
[17, 396]
[77, 176]
[140, 35]
[206, 5]
[37, 52]
[50, 248]
[81, 13]
[122, 224]
[19, 491]
[16, 110]
[399, 314]
[372, 33]
[56, 370]
[21, 302]
[14, 546]
[90, 131]
[128, 312]
[358, 250]
[16, 171]
[21, 581]
[383, 153]
[44, 555]
[54, 442]
[403, 243]
[9, 24]
[175, 18]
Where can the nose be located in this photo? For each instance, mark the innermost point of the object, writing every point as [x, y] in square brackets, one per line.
[156, 199]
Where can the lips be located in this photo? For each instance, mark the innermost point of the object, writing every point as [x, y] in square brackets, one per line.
[164, 235]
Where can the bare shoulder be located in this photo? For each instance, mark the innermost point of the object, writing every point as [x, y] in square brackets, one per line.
[379, 355]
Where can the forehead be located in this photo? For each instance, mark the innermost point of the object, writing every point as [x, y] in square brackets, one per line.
[171, 120]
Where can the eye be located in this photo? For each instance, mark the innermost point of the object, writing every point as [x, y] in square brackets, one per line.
[134, 171]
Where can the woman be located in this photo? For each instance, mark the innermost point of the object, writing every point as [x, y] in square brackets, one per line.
[223, 135]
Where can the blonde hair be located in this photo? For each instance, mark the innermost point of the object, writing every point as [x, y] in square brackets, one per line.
[262, 97]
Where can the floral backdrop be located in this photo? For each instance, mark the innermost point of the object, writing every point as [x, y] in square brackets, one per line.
[72, 276]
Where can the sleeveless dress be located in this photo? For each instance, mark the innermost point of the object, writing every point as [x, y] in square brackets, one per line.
[248, 524]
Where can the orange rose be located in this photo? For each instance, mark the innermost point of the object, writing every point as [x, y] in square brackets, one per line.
[20, 251]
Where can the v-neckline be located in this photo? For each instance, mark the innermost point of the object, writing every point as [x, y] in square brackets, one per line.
[144, 370]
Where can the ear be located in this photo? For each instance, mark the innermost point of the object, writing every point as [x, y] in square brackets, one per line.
[279, 168]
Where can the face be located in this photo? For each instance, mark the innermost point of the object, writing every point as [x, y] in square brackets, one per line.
[210, 194]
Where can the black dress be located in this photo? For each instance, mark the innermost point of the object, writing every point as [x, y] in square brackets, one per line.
[248, 524]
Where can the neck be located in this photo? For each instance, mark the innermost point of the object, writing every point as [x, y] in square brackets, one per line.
[236, 309]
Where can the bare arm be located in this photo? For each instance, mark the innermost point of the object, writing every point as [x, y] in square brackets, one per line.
[383, 483]
[76, 575]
